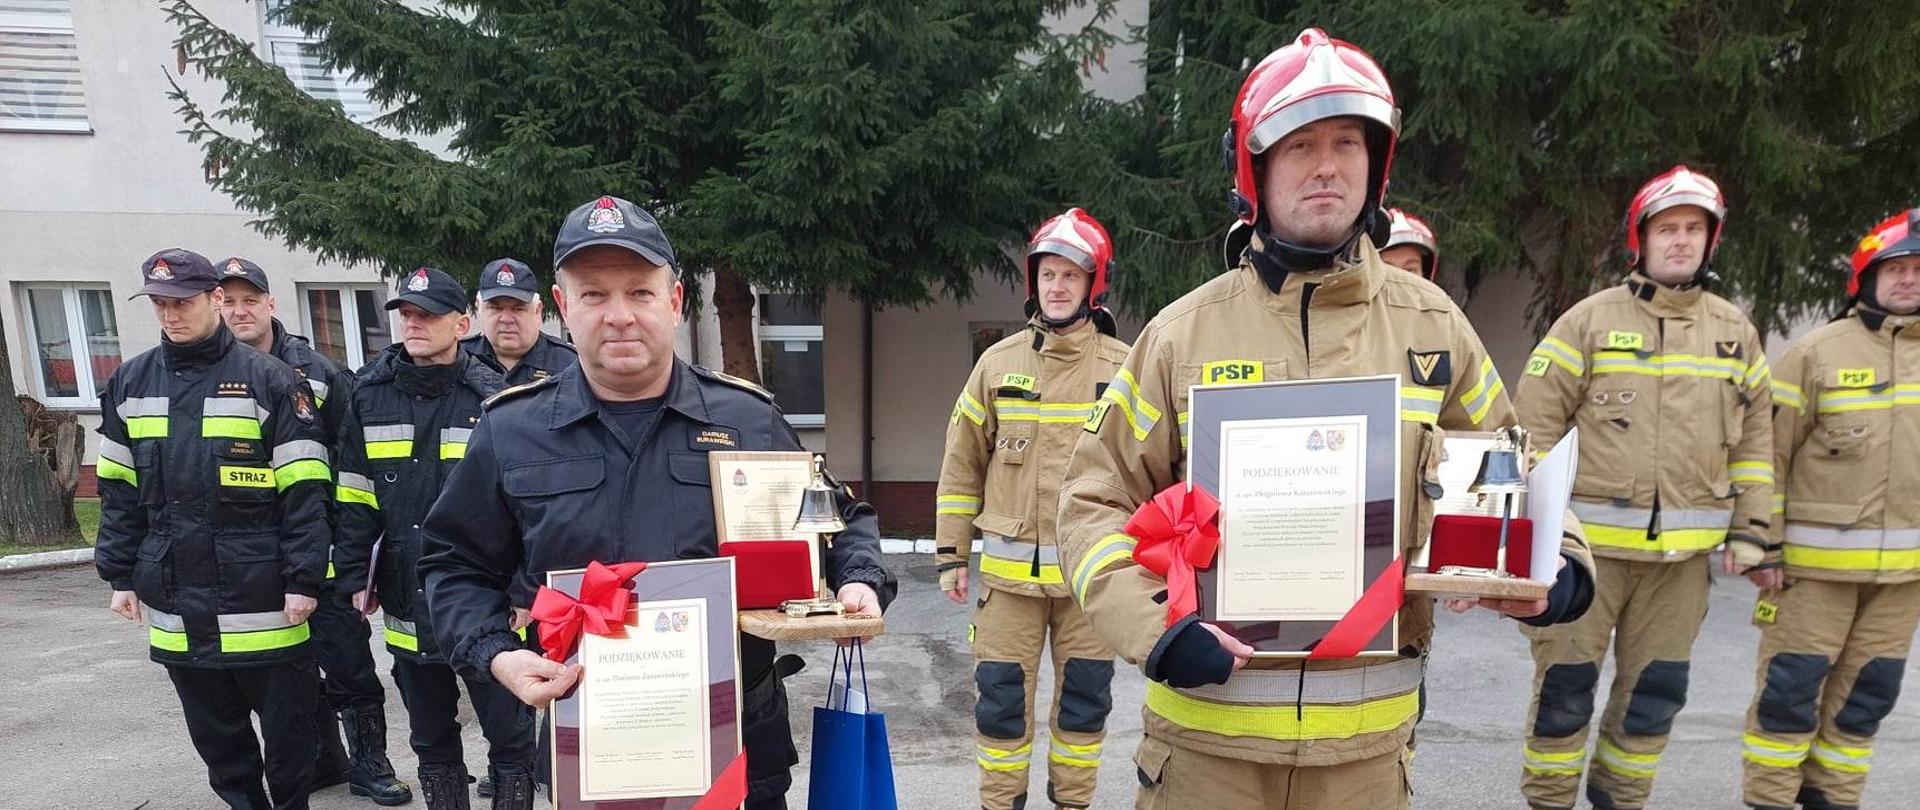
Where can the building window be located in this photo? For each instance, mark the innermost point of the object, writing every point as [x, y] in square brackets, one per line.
[40, 68]
[299, 55]
[793, 357]
[75, 340]
[348, 324]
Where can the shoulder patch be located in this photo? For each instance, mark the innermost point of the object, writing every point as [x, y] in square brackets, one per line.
[1431, 368]
[516, 391]
[1727, 349]
[729, 379]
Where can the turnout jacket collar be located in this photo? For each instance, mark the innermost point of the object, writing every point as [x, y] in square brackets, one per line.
[1354, 279]
[386, 367]
[573, 400]
[204, 352]
[1875, 320]
[1067, 346]
[1664, 301]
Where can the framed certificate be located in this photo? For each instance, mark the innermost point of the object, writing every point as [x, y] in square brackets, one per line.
[656, 717]
[1307, 474]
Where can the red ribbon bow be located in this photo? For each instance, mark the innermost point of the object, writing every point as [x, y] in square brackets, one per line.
[1176, 534]
[600, 610]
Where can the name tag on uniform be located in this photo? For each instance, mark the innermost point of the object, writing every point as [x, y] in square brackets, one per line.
[716, 438]
[1233, 371]
[246, 477]
[1629, 341]
[1854, 378]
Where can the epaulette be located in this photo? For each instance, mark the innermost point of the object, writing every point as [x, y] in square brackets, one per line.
[515, 391]
[729, 379]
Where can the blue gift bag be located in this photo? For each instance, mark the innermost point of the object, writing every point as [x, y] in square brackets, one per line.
[852, 768]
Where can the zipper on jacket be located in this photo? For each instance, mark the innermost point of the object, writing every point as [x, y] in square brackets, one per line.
[1306, 335]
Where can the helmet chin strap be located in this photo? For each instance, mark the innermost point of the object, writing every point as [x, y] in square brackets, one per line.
[1040, 314]
[1279, 257]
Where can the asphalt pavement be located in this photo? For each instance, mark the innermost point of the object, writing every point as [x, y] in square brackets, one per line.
[91, 723]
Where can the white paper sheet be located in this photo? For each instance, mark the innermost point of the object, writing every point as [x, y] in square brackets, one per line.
[1549, 489]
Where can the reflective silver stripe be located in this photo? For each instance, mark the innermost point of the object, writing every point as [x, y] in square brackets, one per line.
[1282, 686]
[116, 452]
[455, 435]
[400, 625]
[163, 620]
[141, 406]
[994, 545]
[1801, 534]
[320, 389]
[286, 453]
[354, 480]
[233, 406]
[388, 433]
[250, 622]
[1606, 514]
[1828, 755]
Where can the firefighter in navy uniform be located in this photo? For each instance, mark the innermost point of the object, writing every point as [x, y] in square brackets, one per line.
[510, 340]
[413, 408]
[350, 692]
[213, 526]
[562, 471]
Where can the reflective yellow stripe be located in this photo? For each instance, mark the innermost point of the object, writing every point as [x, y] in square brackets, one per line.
[1479, 399]
[302, 470]
[229, 427]
[107, 469]
[1779, 504]
[1624, 762]
[1110, 549]
[1074, 756]
[1124, 391]
[1669, 540]
[347, 494]
[1282, 722]
[951, 504]
[1842, 759]
[331, 571]
[1868, 559]
[1751, 472]
[1553, 763]
[1421, 404]
[1762, 751]
[148, 427]
[394, 448]
[1563, 355]
[1790, 395]
[1020, 570]
[263, 640]
[1020, 410]
[969, 407]
[256, 477]
[450, 451]
[1759, 372]
[167, 640]
[995, 759]
[396, 638]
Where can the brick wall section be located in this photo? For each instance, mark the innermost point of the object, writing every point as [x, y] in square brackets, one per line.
[89, 486]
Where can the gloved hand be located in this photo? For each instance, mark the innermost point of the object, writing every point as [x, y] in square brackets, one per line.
[1192, 657]
[1571, 595]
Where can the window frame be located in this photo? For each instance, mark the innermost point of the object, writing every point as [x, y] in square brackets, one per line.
[51, 22]
[349, 318]
[807, 333]
[272, 33]
[89, 388]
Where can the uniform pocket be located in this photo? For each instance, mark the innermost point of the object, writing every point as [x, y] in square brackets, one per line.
[249, 566]
[243, 479]
[1431, 450]
[1150, 767]
[1012, 441]
[146, 460]
[1845, 437]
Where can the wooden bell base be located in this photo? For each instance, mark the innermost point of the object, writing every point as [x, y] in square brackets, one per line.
[1463, 586]
[774, 625]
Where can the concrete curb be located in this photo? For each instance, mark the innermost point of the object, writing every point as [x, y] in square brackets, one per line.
[45, 559]
[899, 546]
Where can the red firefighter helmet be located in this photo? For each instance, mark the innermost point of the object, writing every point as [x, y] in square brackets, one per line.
[1898, 235]
[1679, 186]
[1079, 238]
[1312, 78]
[1413, 231]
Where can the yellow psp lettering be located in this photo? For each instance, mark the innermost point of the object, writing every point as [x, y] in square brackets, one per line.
[1855, 378]
[1618, 339]
[1233, 371]
[1537, 366]
[245, 477]
[1023, 382]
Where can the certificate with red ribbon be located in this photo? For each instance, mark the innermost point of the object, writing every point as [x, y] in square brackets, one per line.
[655, 722]
[1305, 477]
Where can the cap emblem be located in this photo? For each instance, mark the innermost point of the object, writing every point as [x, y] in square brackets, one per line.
[234, 268]
[419, 281]
[505, 277]
[160, 271]
[605, 217]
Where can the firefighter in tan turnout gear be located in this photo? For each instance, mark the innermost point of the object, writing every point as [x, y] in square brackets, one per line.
[1669, 389]
[1012, 430]
[1834, 640]
[1310, 145]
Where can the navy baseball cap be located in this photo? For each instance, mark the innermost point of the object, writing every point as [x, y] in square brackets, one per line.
[237, 268]
[508, 277]
[431, 290]
[613, 222]
[176, 273]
